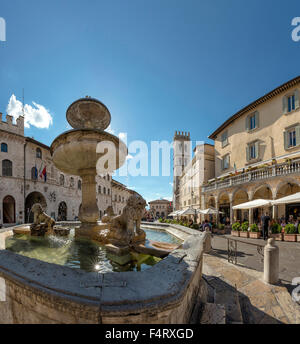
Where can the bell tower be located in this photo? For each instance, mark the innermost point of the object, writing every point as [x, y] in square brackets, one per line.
[181, 157]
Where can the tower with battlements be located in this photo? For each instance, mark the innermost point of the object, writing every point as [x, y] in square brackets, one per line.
[181, 157]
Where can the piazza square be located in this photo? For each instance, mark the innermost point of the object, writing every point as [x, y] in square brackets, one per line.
[150, 167]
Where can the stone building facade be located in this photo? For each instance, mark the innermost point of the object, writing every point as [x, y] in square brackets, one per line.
[197, 172]
[28, 175]
[257, 155]
[160, 208]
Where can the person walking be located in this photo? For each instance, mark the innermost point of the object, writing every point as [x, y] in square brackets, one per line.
[265, 220]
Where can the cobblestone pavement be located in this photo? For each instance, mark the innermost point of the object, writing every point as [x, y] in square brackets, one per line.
[247, 255]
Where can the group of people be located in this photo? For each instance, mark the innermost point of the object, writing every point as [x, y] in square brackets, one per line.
[267, 222]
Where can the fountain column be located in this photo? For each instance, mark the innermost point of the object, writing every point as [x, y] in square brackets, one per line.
[90, 210]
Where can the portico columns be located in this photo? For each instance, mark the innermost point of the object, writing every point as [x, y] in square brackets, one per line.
[230, 208]
[250, 197]
[217, 207]
[231, 212]
[274, 207]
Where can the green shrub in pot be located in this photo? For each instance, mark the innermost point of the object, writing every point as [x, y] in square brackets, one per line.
[245, 226]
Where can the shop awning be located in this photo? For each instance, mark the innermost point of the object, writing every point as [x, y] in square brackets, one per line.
[257, 203]
[295, 198]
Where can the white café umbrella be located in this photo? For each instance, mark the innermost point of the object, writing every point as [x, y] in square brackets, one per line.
[176, 213]
[190, 211]
[257, 203]
[210, 211]
[295, 198]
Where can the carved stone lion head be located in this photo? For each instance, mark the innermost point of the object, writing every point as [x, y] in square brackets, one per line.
[136, 201]
[37, 208]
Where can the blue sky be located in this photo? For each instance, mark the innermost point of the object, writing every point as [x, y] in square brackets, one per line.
[159, 65]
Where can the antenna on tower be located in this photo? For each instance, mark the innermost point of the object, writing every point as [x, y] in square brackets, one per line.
[23, 102]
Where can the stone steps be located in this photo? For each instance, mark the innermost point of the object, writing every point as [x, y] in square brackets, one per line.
[213, 313]
[246, 298]
[222, 299]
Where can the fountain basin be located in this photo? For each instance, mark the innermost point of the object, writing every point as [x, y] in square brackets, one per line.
[74, 152]
[39, 292]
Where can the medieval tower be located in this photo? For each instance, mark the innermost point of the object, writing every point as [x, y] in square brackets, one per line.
[181, 157]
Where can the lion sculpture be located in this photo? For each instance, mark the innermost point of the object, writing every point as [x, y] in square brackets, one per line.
[125, 229]
[42, 221]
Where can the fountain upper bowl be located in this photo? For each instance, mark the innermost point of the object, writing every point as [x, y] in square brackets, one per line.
[74, 151]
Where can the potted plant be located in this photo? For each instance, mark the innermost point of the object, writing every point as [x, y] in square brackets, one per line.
[254, 231]
[290, 233]
[276, 230]
[244, 230]
[298, 235]
[221, 228]
[235, 230]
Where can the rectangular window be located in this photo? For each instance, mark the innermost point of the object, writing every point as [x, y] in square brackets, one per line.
[224, 139]
[292, 138]
[252, 151]
[291, 103]
[225, 162]
[252, 122]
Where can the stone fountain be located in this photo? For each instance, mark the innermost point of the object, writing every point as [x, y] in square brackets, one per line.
[74, 152]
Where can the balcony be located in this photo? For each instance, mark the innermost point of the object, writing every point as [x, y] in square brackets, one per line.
[255, 174]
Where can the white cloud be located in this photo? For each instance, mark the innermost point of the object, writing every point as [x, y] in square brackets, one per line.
[36, 115]
[110, 130]
[122, 136]
[171, 184]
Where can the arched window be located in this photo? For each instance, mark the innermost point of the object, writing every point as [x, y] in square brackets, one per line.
[38, 153]
[4, 147]
[119, 198]
[115, 198]
[79, 184]
[6, 168]
[108, 191]
[104, 190]
[62, 180]
[71, 182]
[34, 173]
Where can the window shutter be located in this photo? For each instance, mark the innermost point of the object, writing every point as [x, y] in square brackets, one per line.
[257, 150]
[285, 136]
[222, 164]
[256, 119]
[297, 102]
[285, 105]
[297, 129]
[247, 153]
[247, 123]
